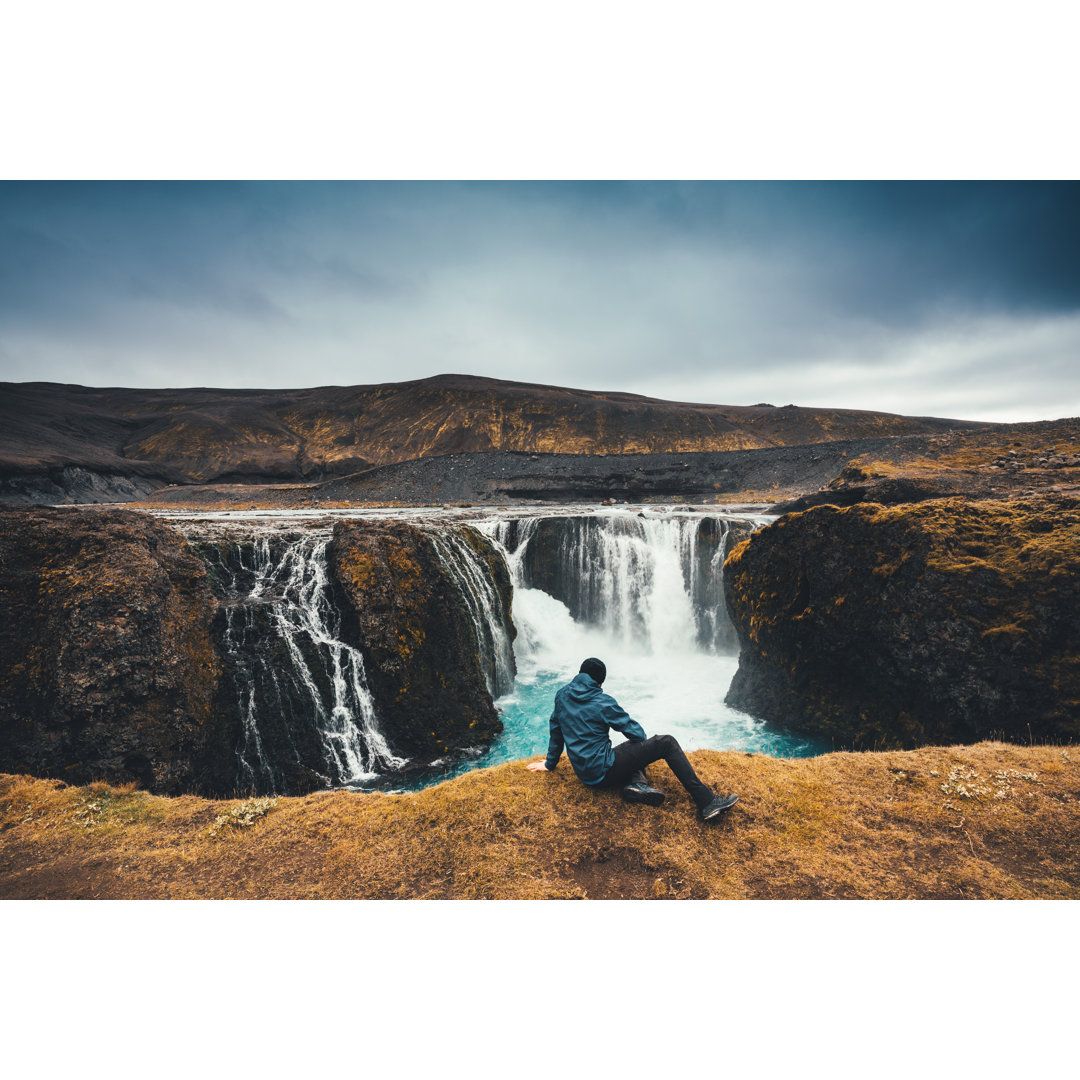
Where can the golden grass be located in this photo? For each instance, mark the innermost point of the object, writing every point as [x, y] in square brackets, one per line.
[869, 467]
[964, 458]
[981, 450]
[991, 820]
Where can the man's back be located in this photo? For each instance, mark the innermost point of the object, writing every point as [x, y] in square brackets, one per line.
[582, 716]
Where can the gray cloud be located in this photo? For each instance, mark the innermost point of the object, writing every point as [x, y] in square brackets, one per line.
[946, 299]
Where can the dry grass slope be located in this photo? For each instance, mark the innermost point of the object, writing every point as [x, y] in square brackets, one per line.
[991, 820]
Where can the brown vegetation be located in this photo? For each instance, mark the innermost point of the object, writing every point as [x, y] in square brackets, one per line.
[990, 820]
[1000, 461]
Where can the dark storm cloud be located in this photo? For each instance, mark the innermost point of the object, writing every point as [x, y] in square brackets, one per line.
[890, 250]
[908, 247]
[887, 249]
[727, 291]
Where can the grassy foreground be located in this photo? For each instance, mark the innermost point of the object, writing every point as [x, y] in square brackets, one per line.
[990, 820]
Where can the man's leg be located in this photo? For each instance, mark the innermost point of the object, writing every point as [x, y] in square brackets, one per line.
[632, 757]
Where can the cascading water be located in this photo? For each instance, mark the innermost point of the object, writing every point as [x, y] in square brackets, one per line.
[307, 714]
[474, 582]
[650, 583]
[644, 592]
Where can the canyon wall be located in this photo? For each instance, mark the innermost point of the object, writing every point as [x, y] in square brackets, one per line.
[424, 649]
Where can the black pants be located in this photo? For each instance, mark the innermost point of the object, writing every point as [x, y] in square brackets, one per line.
[632, 757]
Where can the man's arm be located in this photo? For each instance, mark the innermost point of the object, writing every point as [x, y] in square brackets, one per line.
[555, 743]
[615, 716]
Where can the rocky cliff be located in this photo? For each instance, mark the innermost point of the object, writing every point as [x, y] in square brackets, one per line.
[108, 669]
[935, 622]
[423, 659]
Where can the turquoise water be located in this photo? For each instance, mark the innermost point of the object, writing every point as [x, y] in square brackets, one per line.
[677, 692]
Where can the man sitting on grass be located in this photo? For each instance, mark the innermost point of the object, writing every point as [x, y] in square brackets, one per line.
[584, 713]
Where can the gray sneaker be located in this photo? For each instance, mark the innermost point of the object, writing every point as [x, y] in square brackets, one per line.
[717, 807]
[642, 793]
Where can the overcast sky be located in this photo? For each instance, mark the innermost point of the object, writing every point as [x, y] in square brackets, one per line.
[946, 299]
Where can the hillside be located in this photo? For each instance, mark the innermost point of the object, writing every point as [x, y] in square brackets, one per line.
[183, 436]
[989, 820]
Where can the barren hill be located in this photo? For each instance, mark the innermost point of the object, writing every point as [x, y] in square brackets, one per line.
[66, 435]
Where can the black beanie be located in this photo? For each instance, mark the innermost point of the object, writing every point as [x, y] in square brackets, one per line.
[595, 668]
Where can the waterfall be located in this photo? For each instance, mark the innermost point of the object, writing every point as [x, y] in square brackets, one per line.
[643, 590]
[306, 711]
[650, 582]
[512, 536]
[490, 620]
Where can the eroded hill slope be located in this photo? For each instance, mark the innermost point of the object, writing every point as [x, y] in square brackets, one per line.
[212, 435]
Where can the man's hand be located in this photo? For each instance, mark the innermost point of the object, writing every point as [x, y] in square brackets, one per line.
[537, 766]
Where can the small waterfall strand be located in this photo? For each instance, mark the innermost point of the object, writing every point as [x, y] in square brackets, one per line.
[489, 617]
[511, 536]
[307, 668]
[715, 628]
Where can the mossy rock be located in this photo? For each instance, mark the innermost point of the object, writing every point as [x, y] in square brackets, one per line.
[942, 621]
[404, 613]
[109, 668]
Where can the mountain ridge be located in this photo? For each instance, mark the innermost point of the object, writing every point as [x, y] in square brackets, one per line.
[217, 435]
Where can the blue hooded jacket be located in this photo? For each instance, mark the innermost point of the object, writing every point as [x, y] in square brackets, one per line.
[583, 714]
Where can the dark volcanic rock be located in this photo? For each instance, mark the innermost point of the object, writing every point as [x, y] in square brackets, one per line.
[108, 668]
[73, 485]
[506, 477]
[941, 621]
[415, 631]
[887, 491]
